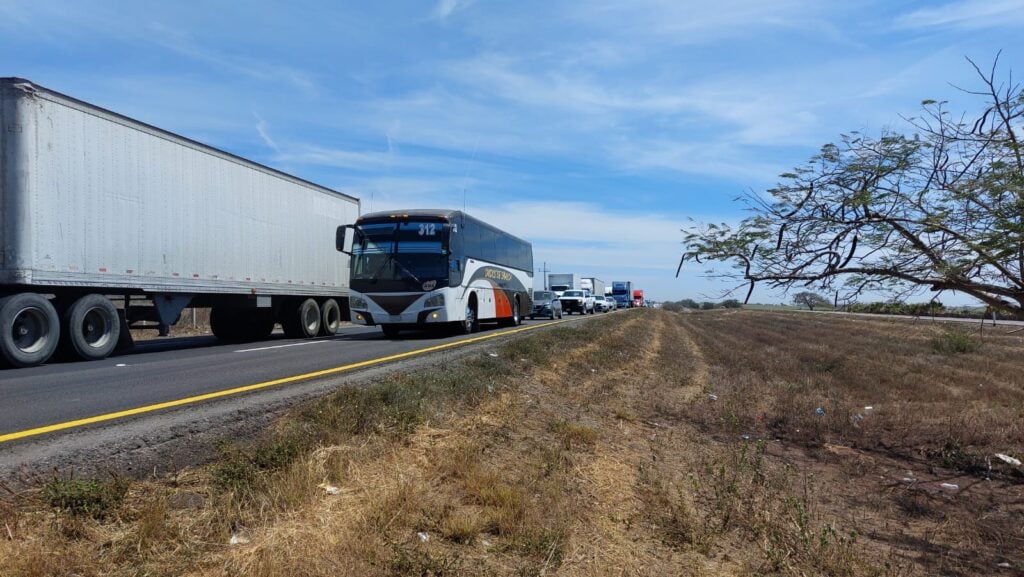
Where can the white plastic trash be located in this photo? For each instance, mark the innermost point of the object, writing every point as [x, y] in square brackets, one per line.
[1008, 459]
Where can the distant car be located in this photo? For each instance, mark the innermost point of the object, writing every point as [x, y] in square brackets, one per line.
[601, 305]
[546, 304]
[611, 304]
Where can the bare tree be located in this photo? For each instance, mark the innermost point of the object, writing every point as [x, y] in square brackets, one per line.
[939, 209]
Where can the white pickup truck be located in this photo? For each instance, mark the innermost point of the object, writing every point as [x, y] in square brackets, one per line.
[578, 301]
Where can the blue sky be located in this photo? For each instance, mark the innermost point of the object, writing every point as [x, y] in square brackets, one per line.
[595, 129]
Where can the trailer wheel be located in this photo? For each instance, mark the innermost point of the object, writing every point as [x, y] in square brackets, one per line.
[225, 324]
[301, 319]
[330, 317]
[260, 326]
[91, 328]
[29, 329]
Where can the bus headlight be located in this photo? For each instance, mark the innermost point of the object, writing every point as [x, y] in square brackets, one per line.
[356, 302]
[434, 301]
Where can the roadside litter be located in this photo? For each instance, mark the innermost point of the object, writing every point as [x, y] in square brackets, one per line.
[1008, 459]
[238, 539]
[950, 486]
[819, 411]
[713, 397]
[329, 489]
[424, 536]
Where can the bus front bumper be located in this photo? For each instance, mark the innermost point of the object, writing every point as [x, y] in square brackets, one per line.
[410, 319]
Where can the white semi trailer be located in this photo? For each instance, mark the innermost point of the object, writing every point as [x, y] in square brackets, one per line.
[107, 223]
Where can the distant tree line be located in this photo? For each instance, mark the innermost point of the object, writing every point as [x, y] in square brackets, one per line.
[932, 308]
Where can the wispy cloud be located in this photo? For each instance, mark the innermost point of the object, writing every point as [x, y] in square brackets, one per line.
[181, 42]
[261, 129]
[445, 8]
[967, 14]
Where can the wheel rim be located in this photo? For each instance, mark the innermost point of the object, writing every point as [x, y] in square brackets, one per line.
[515, 312]
[310, 317]
[30, 330]
[470, 318]
[95, 328]
[333, 318]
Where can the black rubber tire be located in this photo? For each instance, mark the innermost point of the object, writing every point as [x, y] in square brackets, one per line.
[472, 323]
[390, 331]
[90, 328]
[514, 320]
[301, 319]
[259, 326]
[29, 329]
[226, 324]
[330, 318]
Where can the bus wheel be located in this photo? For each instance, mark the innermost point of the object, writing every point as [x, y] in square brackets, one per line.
[390, 331]
[29, 329]
[471, 324]
[516, 319]
[91, 327]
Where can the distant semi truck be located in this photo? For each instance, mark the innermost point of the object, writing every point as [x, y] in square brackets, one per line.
[594, 285]
[561, 282]
[638, 298]
[622, 292]
[107, 223]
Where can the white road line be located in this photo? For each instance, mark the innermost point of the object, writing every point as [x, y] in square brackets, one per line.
[281, 346]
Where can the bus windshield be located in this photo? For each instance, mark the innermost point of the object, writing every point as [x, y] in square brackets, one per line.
[400, 251]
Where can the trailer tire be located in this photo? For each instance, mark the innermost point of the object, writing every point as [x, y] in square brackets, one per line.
[90, 328]
[29, 329]
[301, 319]
[330, 321]
[259, 326]
[225, 324]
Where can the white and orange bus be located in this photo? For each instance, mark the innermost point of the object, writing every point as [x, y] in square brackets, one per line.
[415, 269]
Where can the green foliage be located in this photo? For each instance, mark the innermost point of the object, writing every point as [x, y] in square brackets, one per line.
[88, 498]
[952, 342]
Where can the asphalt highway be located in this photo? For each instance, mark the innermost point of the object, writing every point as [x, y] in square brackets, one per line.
[186, 372]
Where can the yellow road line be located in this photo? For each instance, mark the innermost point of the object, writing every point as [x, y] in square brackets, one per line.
[244, 389]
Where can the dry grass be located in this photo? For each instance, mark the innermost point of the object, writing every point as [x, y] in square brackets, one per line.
[597, 450]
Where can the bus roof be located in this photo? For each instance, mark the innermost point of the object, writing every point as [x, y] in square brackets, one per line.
[442, 213]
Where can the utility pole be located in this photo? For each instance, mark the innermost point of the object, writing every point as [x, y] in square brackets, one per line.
[545, 270]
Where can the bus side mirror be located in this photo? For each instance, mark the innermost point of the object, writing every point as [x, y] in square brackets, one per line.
[343, 240]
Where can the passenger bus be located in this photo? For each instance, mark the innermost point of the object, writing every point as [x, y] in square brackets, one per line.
[416, 269]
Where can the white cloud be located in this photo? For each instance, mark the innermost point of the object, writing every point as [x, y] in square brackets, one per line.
[445, 8]
[967, 14]
[261, 129]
